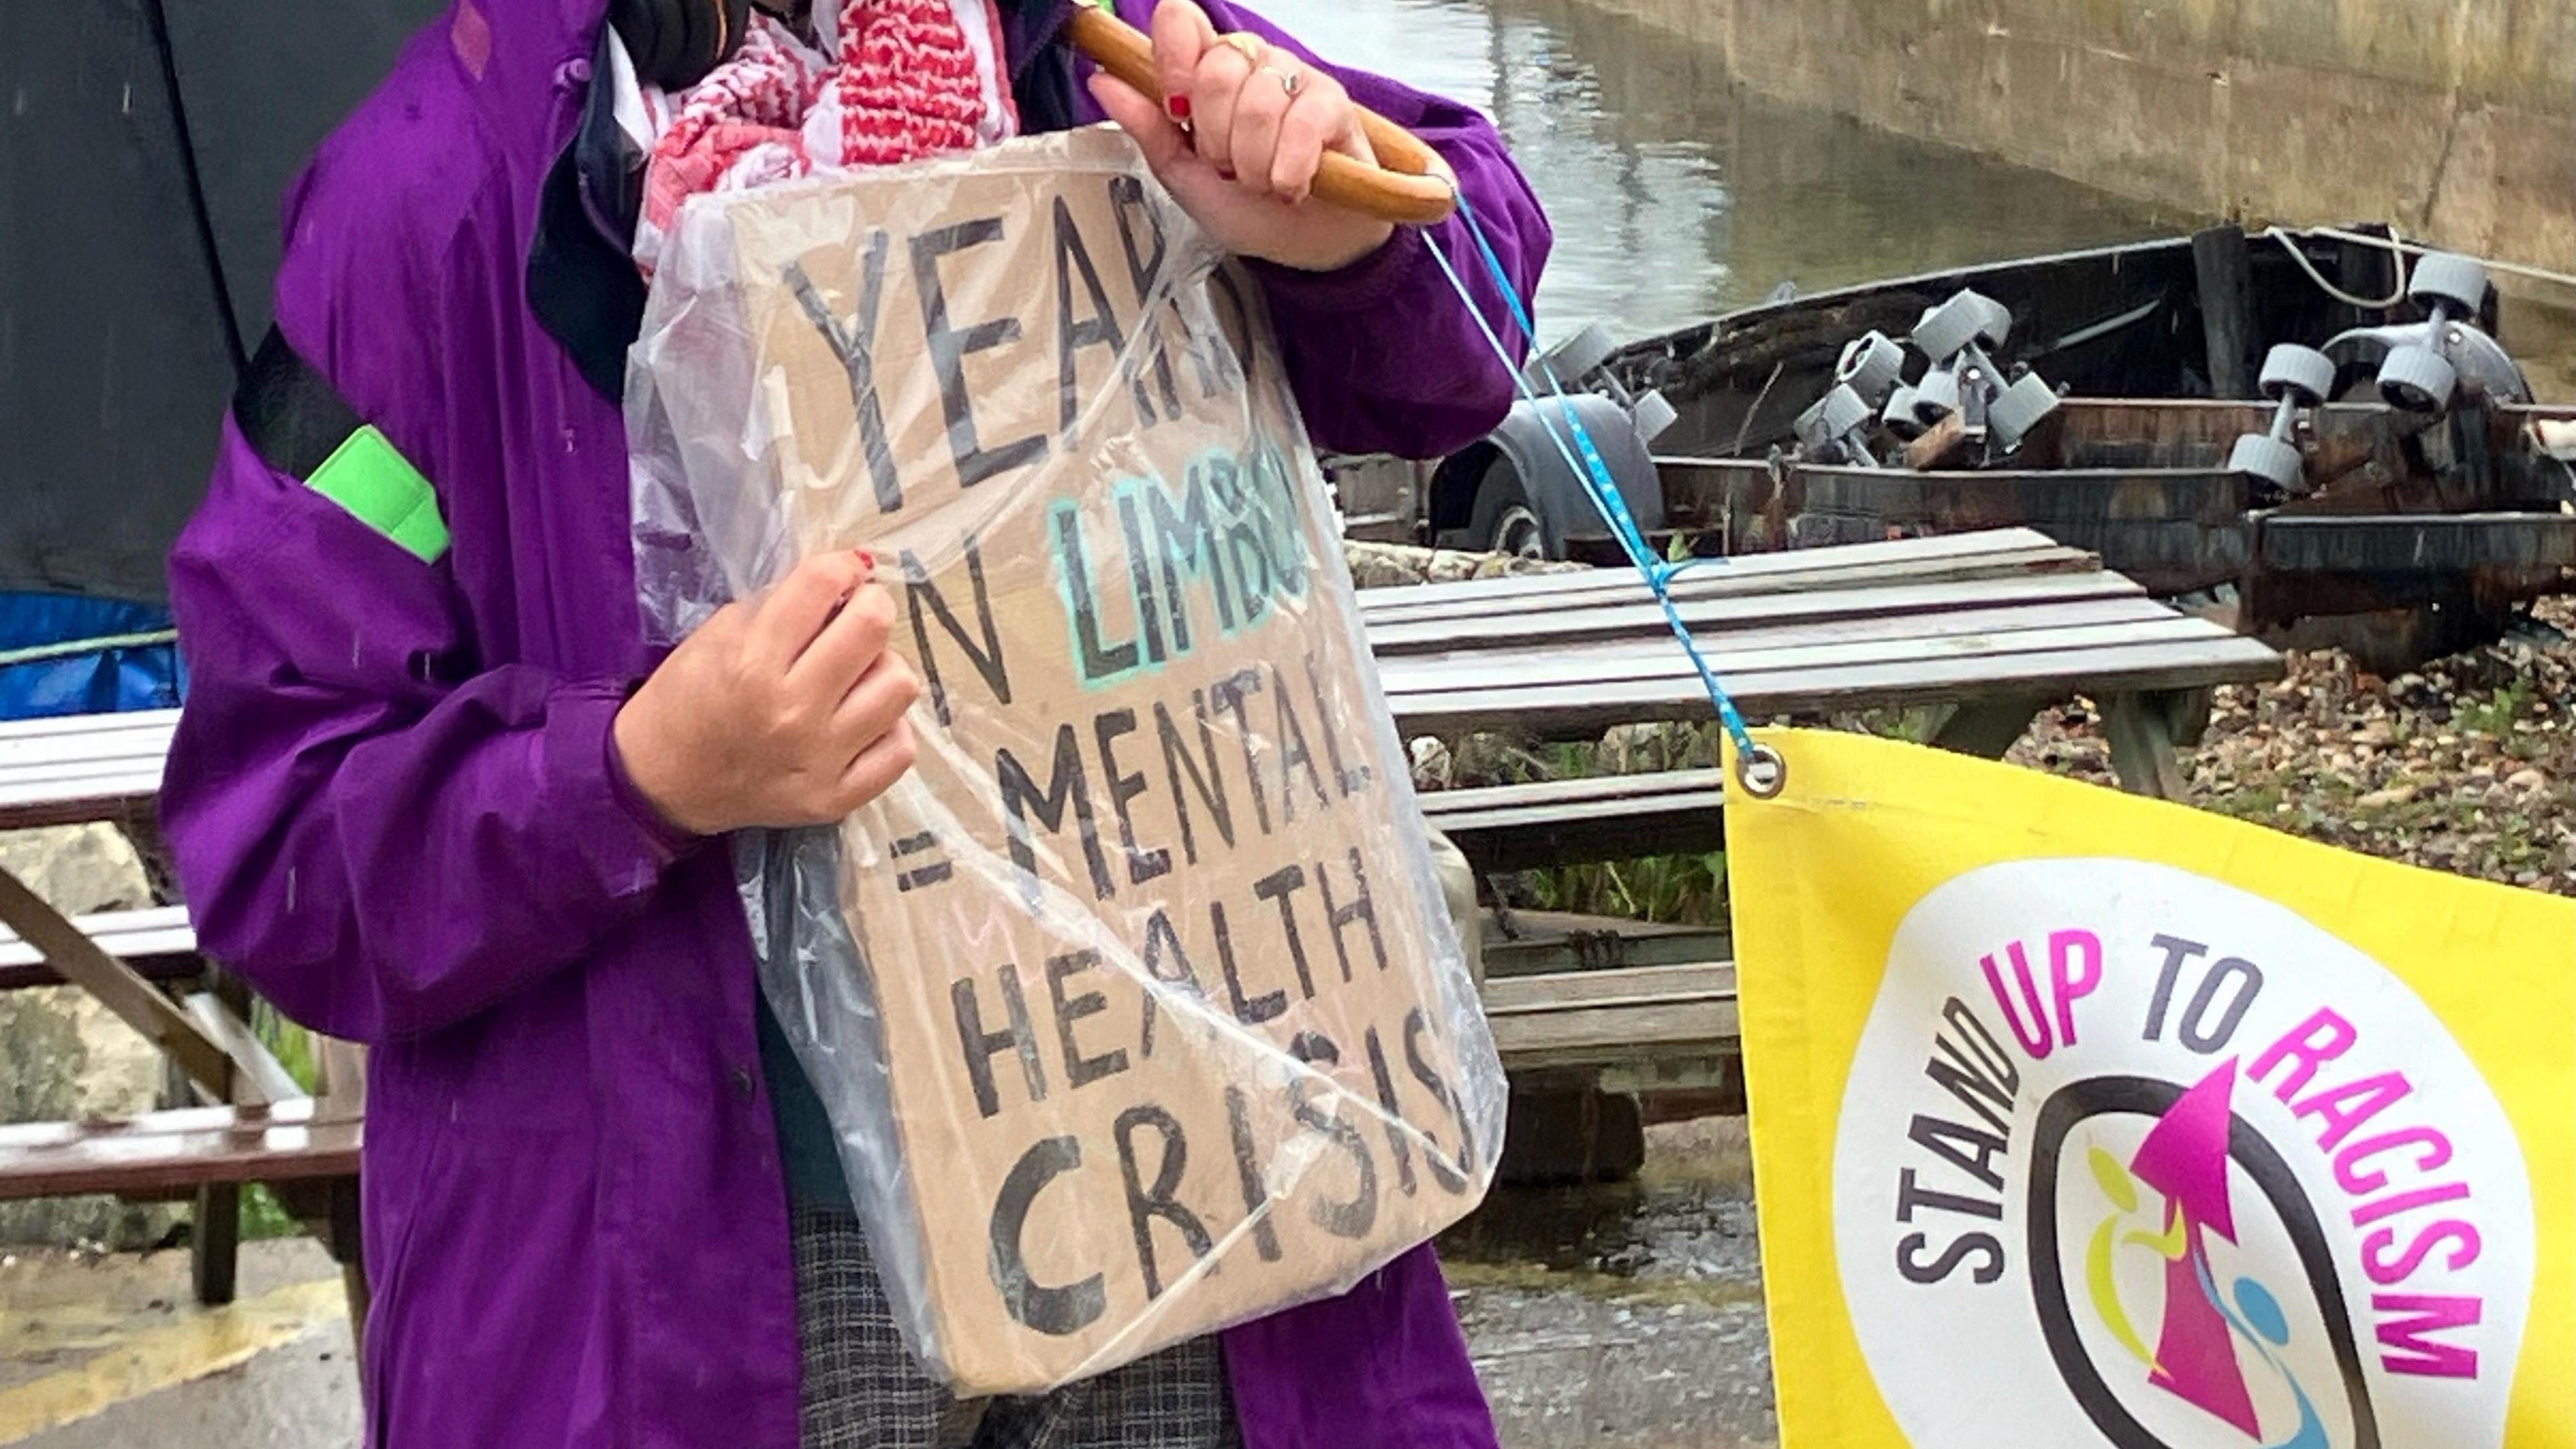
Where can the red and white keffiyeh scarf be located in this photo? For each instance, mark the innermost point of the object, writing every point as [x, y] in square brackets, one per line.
[886, 81]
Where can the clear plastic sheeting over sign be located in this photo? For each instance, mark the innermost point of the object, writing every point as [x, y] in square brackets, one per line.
[1136, 1007]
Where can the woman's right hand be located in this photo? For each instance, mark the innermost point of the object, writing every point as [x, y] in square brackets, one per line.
[785, 711]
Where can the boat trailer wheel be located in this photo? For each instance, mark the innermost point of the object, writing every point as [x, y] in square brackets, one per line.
[1900, 417]
[2450, 288]
[2418, 379]
[2449, 280]
[2294, 377]
[1936, 397]
[1872, 366]
[1967, 319]
[2019, 408]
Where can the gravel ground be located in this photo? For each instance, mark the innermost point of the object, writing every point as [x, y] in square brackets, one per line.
[2466, 765]
[1625, 1315]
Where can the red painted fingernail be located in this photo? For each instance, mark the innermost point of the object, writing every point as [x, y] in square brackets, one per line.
[1179, 106]
[865, 558]
[1225, 173]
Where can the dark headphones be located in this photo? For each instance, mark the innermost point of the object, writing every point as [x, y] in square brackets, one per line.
[675, 43]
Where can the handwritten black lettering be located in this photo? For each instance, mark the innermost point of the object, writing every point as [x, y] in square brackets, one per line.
[1354, 1218]
[1055, 1311]
[1294, 752]
[1454, 1179]
[1363, 909]
[1072, 333]
[1250, 1012]
[1099, 663]
[950, 346]
[923, 601]
[1145, 1204]
[1207, 781]
[1229, 695]
[854, 345]
[1165, 962]
[1396, 1146]
[981, 1046]
[1065, 783]
[1142, 865]
[1079, 1070]
[1281, 887]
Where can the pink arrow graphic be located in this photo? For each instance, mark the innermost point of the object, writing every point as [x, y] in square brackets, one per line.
[2185, 1157]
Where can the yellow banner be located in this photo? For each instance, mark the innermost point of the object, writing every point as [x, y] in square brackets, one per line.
[2082, 1119]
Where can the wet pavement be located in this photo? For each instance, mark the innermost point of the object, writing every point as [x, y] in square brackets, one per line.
[1623, 1317]
[109, 1352]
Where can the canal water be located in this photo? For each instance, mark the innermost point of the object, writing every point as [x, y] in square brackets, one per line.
[1677, 194]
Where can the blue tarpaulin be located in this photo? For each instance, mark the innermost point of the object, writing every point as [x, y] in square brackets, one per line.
[70, 654]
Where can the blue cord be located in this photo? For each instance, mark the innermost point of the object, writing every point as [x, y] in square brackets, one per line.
[1591, 470]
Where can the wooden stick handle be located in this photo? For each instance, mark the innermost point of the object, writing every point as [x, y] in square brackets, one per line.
[1406, 186]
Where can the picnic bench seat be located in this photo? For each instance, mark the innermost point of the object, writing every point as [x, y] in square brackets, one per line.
[157, 1154]
[1566, 990]
[1577, 1018]
[1593, 1016]
[1566, 822]
[156, 941]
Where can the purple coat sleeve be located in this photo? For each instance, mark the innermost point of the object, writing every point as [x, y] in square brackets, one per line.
[380, 820]
[381, 837]
[1383, 355]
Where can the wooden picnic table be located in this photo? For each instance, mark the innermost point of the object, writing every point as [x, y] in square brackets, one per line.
[259, 1124]
[1989, 627]
[1994, 626]
[82, 768]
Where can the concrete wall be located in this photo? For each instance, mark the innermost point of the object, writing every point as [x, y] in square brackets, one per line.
[2454, 118]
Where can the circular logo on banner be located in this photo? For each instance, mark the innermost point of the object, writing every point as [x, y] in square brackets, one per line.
[2131, 1157]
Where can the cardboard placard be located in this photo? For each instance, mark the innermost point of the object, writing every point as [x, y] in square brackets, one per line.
[1170, 1025]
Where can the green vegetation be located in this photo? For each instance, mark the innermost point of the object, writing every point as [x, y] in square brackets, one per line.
[262, 1216]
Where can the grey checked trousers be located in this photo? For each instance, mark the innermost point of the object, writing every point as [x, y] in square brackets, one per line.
[862, 1389]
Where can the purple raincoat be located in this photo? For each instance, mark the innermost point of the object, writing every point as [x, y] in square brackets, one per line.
[396, 810]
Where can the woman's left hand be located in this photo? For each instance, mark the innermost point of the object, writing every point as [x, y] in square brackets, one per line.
[1244, 127]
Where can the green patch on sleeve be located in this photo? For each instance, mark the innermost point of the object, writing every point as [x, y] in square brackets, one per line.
[380, 488]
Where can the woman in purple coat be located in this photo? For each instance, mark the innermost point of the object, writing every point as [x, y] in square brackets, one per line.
[432, 792]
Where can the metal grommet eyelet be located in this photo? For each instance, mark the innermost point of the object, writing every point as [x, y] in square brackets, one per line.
[1761, 772]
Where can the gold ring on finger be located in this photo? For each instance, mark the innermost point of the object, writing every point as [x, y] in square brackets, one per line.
[1289, 80]
[1250, 47]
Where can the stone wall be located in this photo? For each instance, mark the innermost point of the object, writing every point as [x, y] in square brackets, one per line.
[1398, 565]
[64, 1057]
[2456, 119]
